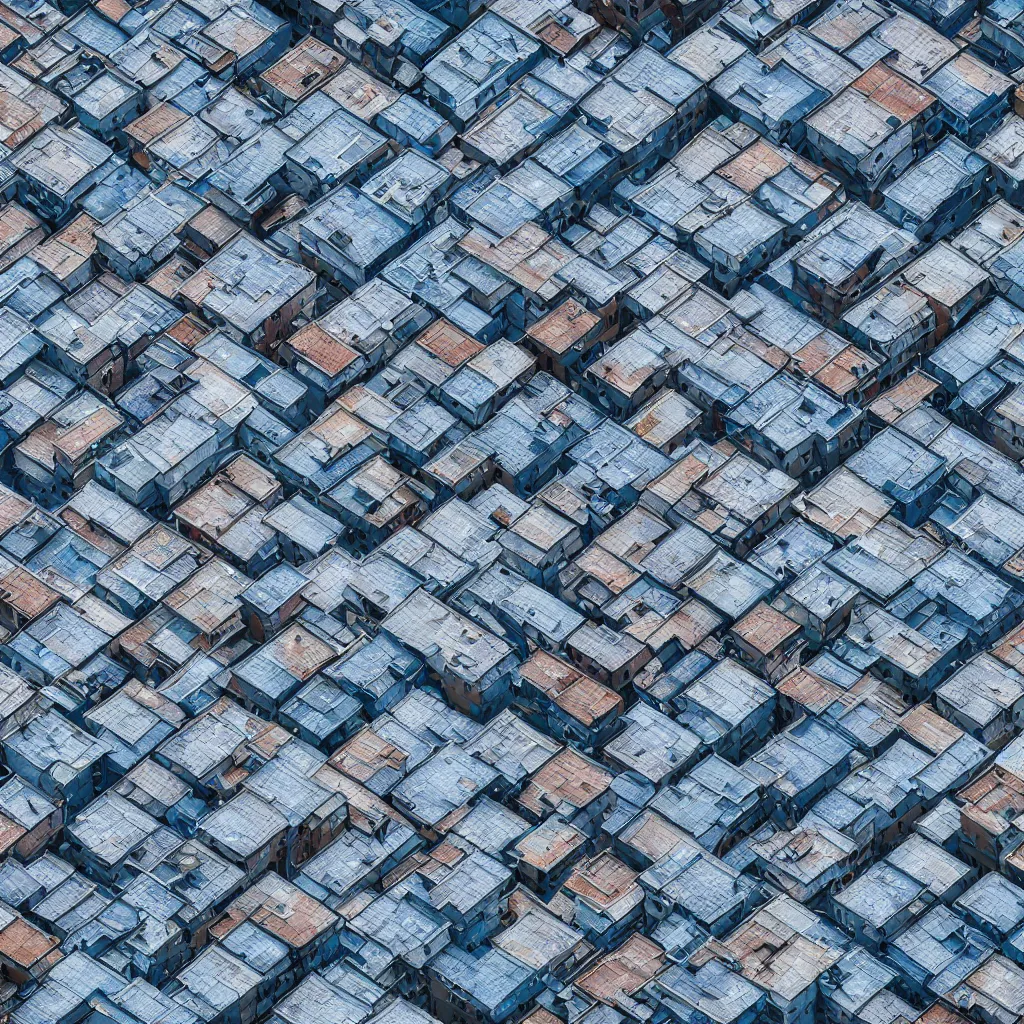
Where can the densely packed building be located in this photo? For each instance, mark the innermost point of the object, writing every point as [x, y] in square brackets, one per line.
[511, 512]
